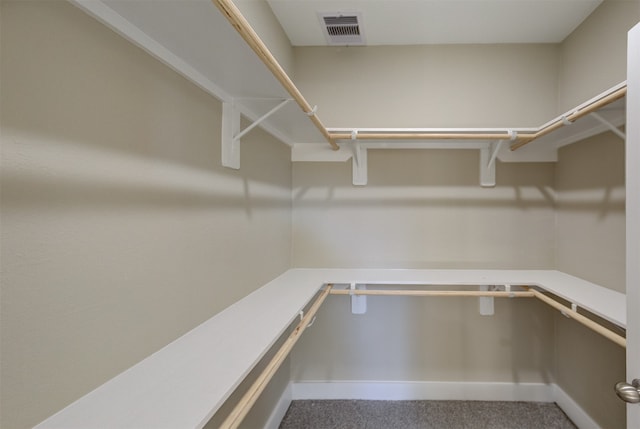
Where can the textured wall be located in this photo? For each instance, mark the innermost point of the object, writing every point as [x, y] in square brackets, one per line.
[120, 229]
[430, 86]
[425, 209]
[590, 230]
[594, 56]
[428, 339]
[590, 236]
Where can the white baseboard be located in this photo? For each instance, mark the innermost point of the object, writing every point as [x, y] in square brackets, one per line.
[573, 410]
[427, 390]
[280, 409]
[472, 391]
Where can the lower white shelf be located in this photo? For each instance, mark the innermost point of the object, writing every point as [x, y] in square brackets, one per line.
[184, 384]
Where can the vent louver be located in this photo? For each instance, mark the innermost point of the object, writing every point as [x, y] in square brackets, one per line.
[342, 29]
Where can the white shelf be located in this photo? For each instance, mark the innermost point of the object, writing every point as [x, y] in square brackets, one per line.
[603, 302]
[194, 39]
[185, 383]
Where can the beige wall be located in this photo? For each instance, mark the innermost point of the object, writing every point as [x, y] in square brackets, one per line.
[425, 209]
[590, 226]
[594, 56]
[590, 237]
[430, 86]
[427, 339]
[120, 229]
[587, 366]
[467, 85]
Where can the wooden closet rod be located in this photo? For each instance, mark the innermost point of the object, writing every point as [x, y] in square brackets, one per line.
[522, 138]
[529, 293]
[251, 396]
[423, 136]
[237, 20]
[608, 334]
[559, 123]
[242, 26]
[468, 293]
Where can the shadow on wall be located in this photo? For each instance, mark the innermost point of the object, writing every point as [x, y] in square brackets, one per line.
[100, 131]
[66, 176]
[424, 177]
[592, 177]
[424, 209]
[427, 339]
[438, 178]
[120, 229]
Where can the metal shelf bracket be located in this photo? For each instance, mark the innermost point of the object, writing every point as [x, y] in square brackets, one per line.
[359, 165]
[359, 161]
[488, 157]
[487, 168]
[358, 302]
[231, 133]
[609, 125]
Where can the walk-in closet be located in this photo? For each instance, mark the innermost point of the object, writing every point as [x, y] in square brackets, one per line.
[284, 213]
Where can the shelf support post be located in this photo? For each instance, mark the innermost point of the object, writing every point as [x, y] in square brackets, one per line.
[359, 161]
[487, 168]
[358, 302]
[494, 152]
[230, 128]
[486, 302]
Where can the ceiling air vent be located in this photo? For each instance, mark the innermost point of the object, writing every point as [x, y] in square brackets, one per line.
[342, 29]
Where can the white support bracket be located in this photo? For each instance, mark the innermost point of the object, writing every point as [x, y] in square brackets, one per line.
[231, 133]
[507, 288]
[488, 157]
[230, 128]
[487, 169]
[609, 125]
[359, 161]
[495, 148]
[486, 302]
[358, 302]
[574, 308]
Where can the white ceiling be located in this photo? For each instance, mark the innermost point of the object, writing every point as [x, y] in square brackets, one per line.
[412, 22]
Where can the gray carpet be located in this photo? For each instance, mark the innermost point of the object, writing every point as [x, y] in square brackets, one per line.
[350, 414]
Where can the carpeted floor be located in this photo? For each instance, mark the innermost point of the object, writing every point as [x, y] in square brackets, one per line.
[350, 414]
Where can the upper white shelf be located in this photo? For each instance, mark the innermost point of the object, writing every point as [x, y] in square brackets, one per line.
[195, 39]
